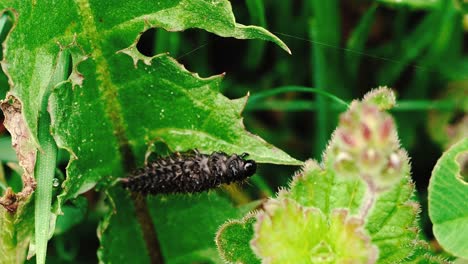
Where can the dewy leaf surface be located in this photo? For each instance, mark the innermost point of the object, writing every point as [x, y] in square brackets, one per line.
[109, 111]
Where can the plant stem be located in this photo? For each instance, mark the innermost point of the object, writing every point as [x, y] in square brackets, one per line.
[308, 105]
[147, 227]
[46, 162]
[369, 200]
[293, 88]
[45, 168]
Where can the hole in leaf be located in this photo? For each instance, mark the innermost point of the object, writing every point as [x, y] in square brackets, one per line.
[156, 41]
[145, 44]
[70, 66]
[462, 161]
[6, 23]
[156, 149]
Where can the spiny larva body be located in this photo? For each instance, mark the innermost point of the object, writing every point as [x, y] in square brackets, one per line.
[190, 172]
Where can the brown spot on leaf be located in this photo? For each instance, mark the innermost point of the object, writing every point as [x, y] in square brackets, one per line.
[25, 150]
[9, 201]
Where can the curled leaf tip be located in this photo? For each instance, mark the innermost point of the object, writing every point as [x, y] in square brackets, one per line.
[382, 97]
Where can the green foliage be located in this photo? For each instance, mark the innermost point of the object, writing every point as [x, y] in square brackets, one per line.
[233, 241]
[198, 216]
[289, 233]
[355, 207]
[448, 193]
[110, 106]
[79, 85]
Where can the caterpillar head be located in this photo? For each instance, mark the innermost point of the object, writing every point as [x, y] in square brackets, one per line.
[240, 168]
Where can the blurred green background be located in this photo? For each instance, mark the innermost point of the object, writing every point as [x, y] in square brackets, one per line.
[345, 48]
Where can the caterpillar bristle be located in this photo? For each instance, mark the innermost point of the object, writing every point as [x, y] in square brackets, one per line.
[189, 172]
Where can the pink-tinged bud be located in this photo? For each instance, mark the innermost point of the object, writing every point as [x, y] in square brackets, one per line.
[369, 110]
[347, 139]
[386, 128]
[366, 131]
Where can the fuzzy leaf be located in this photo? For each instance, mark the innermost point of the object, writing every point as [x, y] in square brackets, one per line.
[448, 193]
[315, 187]
[392, 223]
[233, 241]
[365, 173]
[289, 233]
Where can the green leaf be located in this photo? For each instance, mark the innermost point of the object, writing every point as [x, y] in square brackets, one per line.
[16, 232]
[72, 215]
[448, 193]
[193, 220]
[287, 232]
[323, 189]
[120, 234]
[423, 255]
[112, 106]
[364, 175]
[392, 223]
[233, 241]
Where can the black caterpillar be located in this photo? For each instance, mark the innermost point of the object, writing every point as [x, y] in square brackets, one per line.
[189, 172]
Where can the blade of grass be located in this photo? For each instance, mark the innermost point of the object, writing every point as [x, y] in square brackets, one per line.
[327, 72]
[404, 51]
[357, 41]
[46, 163]
[256, 49]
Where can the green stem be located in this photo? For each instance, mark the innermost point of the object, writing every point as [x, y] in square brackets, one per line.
[46, 163]
[423, 105]
[45, 167]
[292, 88]
[308, 105]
